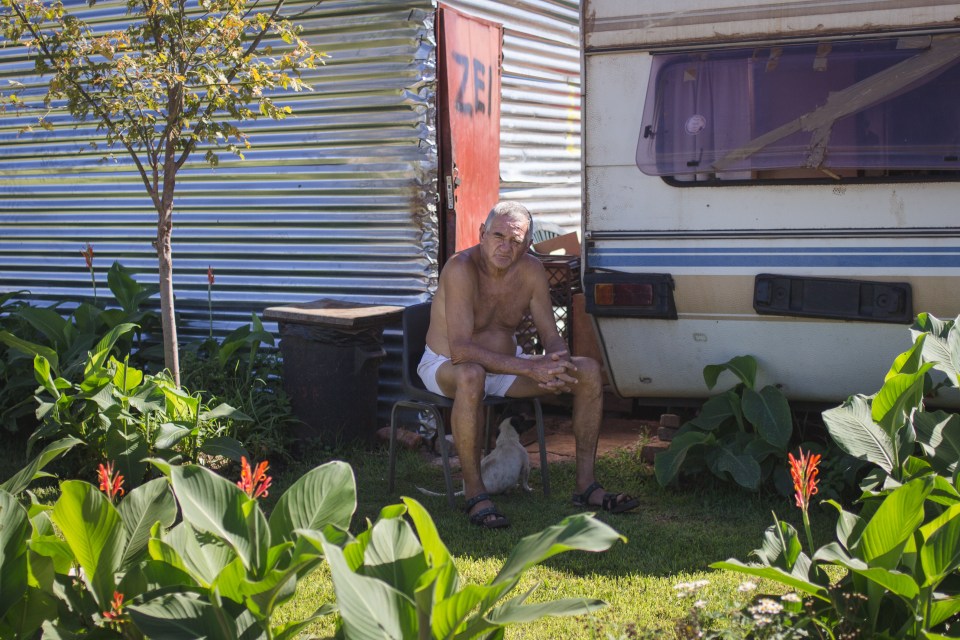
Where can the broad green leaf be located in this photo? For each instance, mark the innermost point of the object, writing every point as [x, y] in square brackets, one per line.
[224, 446]
[128, 292]
[511, 613]
[717, 410]
[93, 529]
[126, 378]
[224, 410]
[938, 433]
[128, 450]
[853, 429]
[849, 526]
[175, 616]
[370, 609]
[580, 532]
[744, 367]
[324, 495]
[28, 614]
[98, 356]
[181, 547]
[22, 479]
[31, 349]
[900, 394]
[896, 582]
[140, 509]
[769, 412]
[44, 376]
[744, 470]
[169, 434]
[909, 361]
[14, 532]
[776, 574]
[459, 616]
[941, 609]
[395, 556]
[940, 551]
[667, 464]
[899, 515]
[214, 504]
[780, 547]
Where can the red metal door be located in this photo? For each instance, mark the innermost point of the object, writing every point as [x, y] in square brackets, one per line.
[469, 74]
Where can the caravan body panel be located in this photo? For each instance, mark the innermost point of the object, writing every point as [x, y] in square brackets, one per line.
[713, 240]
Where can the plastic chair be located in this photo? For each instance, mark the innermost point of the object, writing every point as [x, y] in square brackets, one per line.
[416, 320]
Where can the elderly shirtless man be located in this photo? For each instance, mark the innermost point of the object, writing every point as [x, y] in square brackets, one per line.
[472, 351]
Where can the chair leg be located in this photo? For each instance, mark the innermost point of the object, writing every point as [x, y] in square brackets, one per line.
[444, 455]
[541, 439]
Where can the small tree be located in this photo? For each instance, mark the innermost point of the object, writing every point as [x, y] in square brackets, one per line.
[178, 77]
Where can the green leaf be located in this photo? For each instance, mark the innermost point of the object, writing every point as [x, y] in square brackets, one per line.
[667, 464]
[717, 410]
[899, 515]
[896, 582]
[128, 292]
[93, 529]
[128, 450]
[395, 556]
[744, 470]
[776, 574]
[940, 551]
[48, 322]
[744, 367]
[909, 361]
[224, 446]
[938, 433]
[214, 504]
[942, 609]
[323, 496]
[580, 532]
[780, 547]
[900, 394]
[102, 349]
[769, 412]
[853, 429]
[370, 609]
[126, 378]
[43, 374]
[175, 616]
[512, 613]
[30, 349]
[224, 410]
[22, 479]
[144, 506]
[14, 532]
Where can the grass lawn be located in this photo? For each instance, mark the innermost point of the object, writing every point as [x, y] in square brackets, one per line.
[672, 538]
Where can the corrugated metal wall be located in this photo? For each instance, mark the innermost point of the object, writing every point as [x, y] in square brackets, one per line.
[337, 201]
[540, 110]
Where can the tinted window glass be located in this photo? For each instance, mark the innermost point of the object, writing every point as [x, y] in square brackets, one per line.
[860, 109]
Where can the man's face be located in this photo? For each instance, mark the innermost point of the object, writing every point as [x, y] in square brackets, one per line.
[504, 243]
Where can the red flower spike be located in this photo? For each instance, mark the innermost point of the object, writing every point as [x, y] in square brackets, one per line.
[110, 483]
[804, 472]
[116, 607]
[210, 275]
[88, 255]
[254, 482]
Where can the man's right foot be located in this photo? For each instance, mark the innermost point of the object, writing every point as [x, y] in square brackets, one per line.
[485, 515]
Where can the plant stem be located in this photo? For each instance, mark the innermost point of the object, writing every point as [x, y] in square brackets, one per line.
[210, 307]
[93, 279]
[806, 527]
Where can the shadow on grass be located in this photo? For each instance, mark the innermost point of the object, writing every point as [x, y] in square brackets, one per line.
[672, 531]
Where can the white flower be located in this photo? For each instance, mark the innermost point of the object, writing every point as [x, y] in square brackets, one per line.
[790, 597]
[746, 587]
[766, 606]
[700, 604]
[687, 589]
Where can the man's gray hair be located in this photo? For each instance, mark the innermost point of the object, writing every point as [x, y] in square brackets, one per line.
[514, 210]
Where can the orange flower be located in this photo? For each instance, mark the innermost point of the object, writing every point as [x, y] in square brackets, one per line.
[110, 484]
[116, 607]
[210, 274]
[88, 255]
[255, 483]
[804, 473]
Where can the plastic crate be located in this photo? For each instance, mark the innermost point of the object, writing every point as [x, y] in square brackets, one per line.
[563, 274]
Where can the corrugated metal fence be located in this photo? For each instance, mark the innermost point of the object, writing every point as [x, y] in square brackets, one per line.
[337, 201]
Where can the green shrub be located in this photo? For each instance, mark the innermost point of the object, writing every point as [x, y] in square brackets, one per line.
[740, 435]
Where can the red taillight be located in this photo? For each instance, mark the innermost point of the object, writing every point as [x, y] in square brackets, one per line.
[625, 294]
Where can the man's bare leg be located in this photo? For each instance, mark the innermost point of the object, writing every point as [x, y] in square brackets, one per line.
[587, 413]
[467, 424]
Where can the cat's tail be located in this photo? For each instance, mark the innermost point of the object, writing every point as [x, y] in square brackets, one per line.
[435, 494]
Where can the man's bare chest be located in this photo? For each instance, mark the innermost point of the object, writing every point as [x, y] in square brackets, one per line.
[501, 305]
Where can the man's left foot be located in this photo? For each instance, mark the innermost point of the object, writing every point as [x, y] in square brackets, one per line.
[596, 496]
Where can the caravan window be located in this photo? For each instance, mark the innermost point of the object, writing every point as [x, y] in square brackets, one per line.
[868, 109]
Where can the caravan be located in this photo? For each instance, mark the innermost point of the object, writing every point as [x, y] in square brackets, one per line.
[779, 179]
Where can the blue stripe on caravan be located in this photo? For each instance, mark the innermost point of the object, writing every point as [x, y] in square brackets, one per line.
[933, 257]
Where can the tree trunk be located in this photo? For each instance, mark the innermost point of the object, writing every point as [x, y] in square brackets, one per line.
[171, 356]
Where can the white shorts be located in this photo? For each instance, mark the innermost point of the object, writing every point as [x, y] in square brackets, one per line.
[496, 384]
